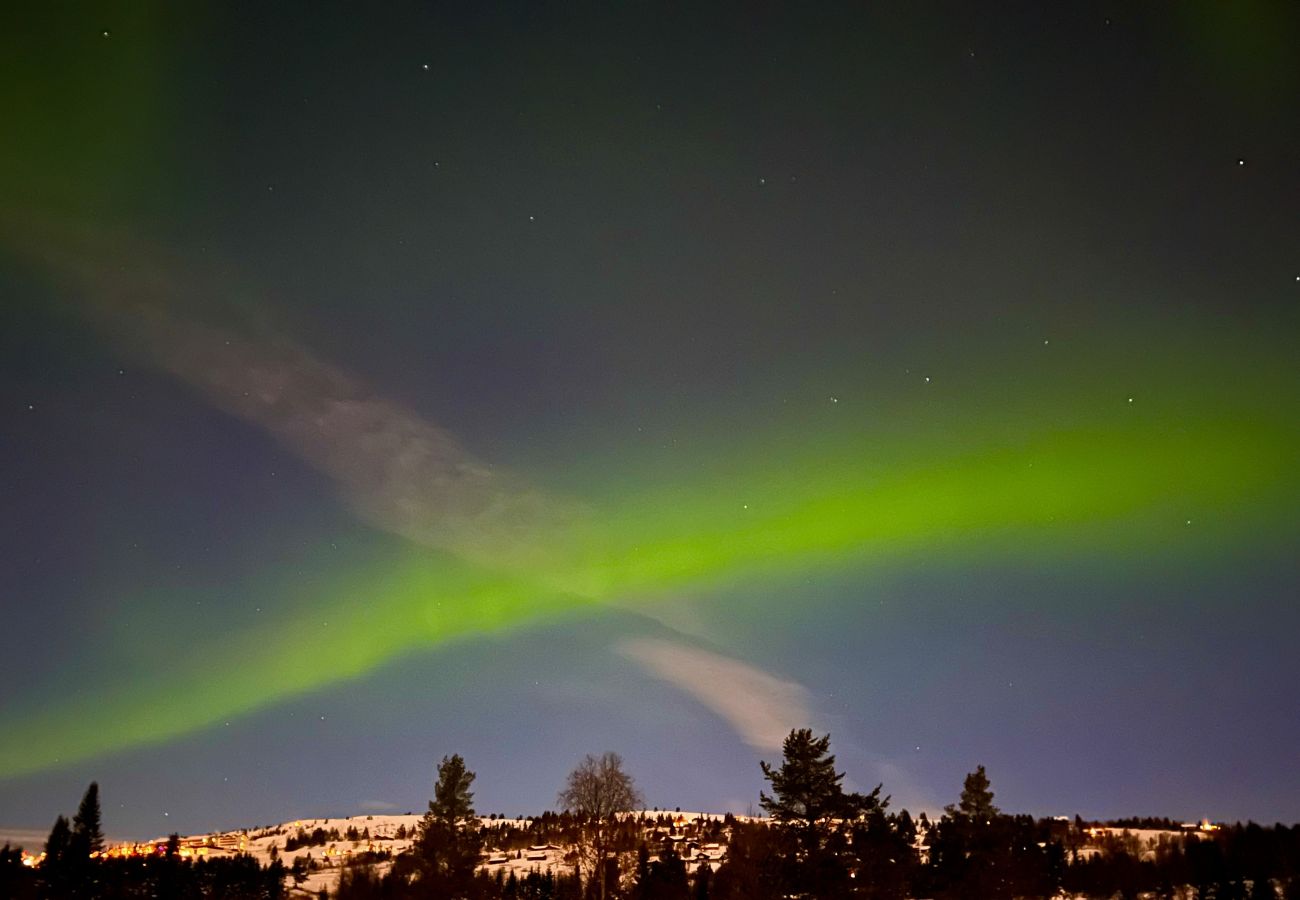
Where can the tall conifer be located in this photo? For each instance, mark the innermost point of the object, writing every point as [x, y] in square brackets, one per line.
[87, 835]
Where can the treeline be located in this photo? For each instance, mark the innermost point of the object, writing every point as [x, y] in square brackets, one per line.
[566, 829]
[1243, 862]
[75, 867]
[821, 842]
[1159, 823]
[318, 837]
[818, 842]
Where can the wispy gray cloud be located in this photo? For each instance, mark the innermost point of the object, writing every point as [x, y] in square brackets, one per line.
[400, 472]
[759, 706]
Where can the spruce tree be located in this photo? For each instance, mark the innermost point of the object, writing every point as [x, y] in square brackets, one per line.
[87, 835]
[55, 868]
[57, 844]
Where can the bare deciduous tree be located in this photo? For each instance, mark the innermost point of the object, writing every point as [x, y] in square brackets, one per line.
[596, 791]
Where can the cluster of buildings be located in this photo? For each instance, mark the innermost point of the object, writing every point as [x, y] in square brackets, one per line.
[203, 847]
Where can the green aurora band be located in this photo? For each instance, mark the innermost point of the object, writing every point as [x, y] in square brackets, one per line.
[1183, 479]
[1029, 466]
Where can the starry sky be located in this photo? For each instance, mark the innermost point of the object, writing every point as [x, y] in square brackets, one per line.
[525, 380]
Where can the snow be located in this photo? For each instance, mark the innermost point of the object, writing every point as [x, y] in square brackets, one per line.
[267, 843]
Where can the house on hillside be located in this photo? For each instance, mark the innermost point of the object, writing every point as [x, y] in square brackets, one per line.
[540, 852]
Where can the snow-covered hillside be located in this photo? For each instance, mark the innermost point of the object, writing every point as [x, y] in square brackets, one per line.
[326, 845]
[315, 851]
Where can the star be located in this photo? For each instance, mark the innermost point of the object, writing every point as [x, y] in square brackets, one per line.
[1241, 162]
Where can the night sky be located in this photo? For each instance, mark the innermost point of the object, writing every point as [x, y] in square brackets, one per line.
[524, 380]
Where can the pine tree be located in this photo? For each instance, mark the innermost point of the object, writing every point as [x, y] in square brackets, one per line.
[806, 788]
[976, 802]
[453, 801]
[448, 840]
[806, 799]
[974, 852]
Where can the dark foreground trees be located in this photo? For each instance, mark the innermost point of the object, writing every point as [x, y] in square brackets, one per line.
[820, 842]
[816, 819]
[87, 832]
[74, 869]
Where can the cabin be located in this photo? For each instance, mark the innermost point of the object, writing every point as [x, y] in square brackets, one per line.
[540, 852]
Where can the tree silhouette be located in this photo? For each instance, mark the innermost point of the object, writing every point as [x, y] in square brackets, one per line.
[807, 799]
[448, 842]
[977, 853]
[806, 789]
[57, 844]
[58, 858]
[87, 835]
[596, 791]
[976, 802]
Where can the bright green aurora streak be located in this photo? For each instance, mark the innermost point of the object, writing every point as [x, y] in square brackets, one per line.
[1131, 484]
[1200, 464]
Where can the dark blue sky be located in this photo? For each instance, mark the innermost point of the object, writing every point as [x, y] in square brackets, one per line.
[314, 313]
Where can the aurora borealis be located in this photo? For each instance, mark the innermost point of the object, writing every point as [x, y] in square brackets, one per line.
[493, 381]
